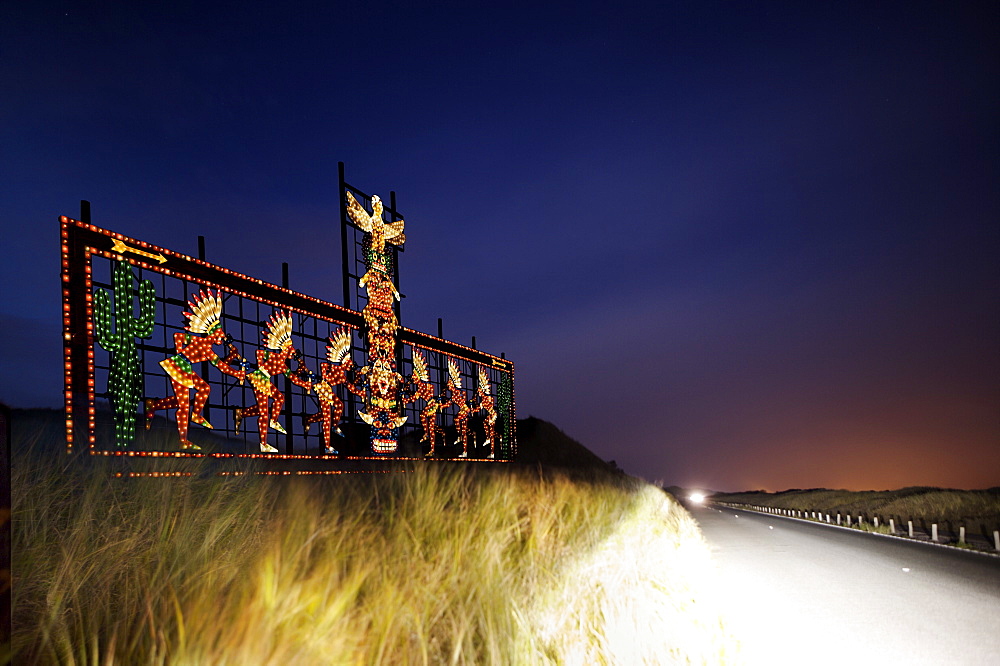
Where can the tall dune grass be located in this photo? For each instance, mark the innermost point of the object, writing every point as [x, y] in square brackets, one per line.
[464, 565]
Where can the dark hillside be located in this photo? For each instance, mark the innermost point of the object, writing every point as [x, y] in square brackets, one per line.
[542, 443]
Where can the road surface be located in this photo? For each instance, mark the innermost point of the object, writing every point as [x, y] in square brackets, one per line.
[802, 593]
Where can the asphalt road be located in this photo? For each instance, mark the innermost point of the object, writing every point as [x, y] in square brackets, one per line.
[801, 593]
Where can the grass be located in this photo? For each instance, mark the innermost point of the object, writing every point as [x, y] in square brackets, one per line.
[438, 565]
[881, 528]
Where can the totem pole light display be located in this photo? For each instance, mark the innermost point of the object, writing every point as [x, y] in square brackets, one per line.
[182, 358]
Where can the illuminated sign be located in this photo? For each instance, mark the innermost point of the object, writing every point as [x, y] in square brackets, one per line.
[182, 358]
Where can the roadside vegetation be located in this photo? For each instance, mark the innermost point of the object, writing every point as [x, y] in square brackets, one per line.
[977, 510]
[468, 565]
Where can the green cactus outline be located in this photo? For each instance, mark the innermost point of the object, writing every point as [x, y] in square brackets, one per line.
[116, 332]
[505, 399]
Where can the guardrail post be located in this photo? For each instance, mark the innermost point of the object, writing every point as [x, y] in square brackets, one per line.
[892, 525]
[934, 532]
[876, 521]
[827, 517]
[909, 524]
[996, 539]
[961, 534]
[848, 520]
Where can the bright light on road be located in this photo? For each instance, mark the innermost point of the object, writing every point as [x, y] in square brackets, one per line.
[697, 498]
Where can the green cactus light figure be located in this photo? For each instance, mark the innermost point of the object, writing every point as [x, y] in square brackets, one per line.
[117, 331]
[505, 406]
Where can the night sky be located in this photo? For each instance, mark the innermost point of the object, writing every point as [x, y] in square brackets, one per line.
[732, 245]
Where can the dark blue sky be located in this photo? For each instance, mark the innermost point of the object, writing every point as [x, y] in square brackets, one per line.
[738, 245]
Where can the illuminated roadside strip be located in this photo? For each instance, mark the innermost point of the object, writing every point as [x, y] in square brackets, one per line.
[748, 509]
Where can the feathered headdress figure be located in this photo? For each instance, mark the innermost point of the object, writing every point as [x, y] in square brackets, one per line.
[420, 366]
[373, 224]
[278, 331]
[484, 380]
[339, 346]
[206, 313]
[456, 377]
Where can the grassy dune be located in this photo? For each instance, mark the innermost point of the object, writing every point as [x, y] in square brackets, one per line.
[467, 565]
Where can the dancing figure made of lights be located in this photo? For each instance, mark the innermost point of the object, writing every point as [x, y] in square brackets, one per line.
[423, 389]
[488, 407]
[334, 373]
[271, 361]
[196, 346]
[456, 397]
[379, 382]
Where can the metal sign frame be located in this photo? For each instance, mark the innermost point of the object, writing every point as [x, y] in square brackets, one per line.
[123, 301]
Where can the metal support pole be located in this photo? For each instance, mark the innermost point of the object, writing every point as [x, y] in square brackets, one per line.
[288, 382]
[346, 279]
[344, 256]
[395, 260]
[398, 305]
[442, 372]
[204, 365]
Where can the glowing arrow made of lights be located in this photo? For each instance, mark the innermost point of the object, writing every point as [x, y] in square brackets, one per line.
[123, 248]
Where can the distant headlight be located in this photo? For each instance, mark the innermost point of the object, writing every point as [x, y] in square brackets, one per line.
[697, 498]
